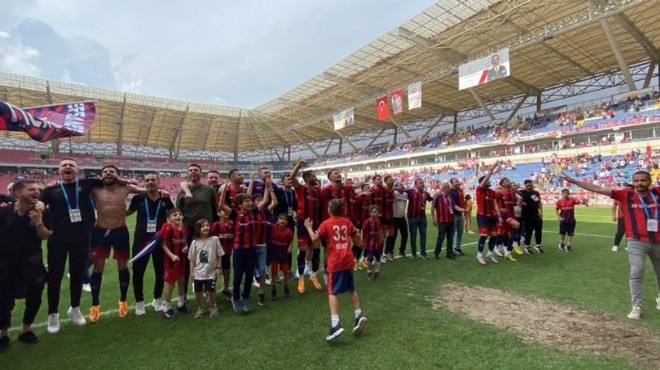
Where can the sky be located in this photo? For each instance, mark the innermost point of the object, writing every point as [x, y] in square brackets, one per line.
[237, 53]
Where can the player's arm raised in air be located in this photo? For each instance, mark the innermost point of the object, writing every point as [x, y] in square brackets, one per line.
[222, 204]
[294, 172]
[586, 186]
[494, 168]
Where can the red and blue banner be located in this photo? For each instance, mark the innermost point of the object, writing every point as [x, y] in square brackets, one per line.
[48, 122]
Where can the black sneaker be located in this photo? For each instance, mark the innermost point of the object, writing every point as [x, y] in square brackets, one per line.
[528, 250]
[335, 331]
[437, 256]
[539, 249]
[402, 254]
[227, 295]
[459, 252]
[568, 248]
[4, 343]
[28, 337]
[370, 275]
[169, 314]
[247, 305]
[287, 294]
[183, 309]
[360, 324]
[261, 299]
[273, 294]
[451, 256]
[376, 274]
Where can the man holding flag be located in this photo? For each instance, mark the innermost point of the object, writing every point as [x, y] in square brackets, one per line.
[151, 211]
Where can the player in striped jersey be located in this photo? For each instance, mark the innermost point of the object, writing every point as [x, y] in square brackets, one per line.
[488, 216]
[309, 206]
[506, 201]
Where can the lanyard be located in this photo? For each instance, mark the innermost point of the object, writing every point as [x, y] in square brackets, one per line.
[146, 209]
[646, 208]
[66, 196]
[286, 196]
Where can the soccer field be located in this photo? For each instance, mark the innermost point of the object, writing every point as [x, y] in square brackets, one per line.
[558, 310]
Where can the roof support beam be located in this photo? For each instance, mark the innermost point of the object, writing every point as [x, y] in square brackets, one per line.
[568, 59]
[649, 75]
[344, 138]
[55, 143]
[151, 124]
[481, 103]
[434, 125]
[328, 146]
[305, 144]
[375, 138]
[522, 85]
[446, 54]
[515, 110]
[277, 154]
[362, 88]
[237, 135]
[399, 127]
[437, 108]
[637, 34]
[205, 135]
[176, 140]
[623, 65]
[120, 142]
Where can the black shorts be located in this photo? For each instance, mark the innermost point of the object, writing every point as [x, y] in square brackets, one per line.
[567, 228]
[105, 239]
[204, 285]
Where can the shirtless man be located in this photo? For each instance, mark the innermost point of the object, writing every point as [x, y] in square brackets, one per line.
[109, 232]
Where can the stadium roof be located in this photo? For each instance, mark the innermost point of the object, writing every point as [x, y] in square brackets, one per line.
[552, 42]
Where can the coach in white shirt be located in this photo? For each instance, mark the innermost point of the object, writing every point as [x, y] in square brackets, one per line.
[400, 224]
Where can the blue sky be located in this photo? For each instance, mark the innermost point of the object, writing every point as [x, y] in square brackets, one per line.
[238, 53]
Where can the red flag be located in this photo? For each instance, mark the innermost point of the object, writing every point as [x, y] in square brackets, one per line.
[49, 122]
[382, 108]
[397, 101]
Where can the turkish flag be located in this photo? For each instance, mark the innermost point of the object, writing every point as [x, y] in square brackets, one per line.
[382, 109]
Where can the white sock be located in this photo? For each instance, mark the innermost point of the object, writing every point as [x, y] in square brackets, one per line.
[377, 268]
[480, 255]
[181, 301]
[166, 306]
[334, 320]
[358, 312]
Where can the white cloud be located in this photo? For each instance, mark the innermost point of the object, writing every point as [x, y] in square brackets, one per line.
[17, 58]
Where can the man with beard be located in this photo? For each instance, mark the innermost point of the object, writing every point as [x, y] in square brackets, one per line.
[309, 206]
[213, 180]
[259, 186]
[72, 218]
[640, 214]
[417, 199]
[22, 272]
[506, 201]
[234, 187]
[151, 211]
[532, 214]
[200, 204]
[110, 232]
[488, 216]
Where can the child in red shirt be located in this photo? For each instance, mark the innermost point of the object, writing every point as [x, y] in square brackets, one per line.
[566, 214]
[336, 232]
[281, 241]
[173, 235]
[372, 241]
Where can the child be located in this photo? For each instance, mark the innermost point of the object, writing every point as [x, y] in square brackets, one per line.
[174, 236]
[261, 216]
[335, 233]
[204, 255]
[372, 241]
[566, 214]
[281, 241]
[224, 230]
[243, 253]
[364, 198]
[468, 214]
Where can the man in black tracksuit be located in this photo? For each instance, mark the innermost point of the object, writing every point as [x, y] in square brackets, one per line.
[532, 214]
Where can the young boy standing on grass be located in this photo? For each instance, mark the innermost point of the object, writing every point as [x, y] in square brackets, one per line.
[281, 242]
[335, 233]
[204, 255]
[174, 237]
[372, 240]
[224, 230]
[566, 215]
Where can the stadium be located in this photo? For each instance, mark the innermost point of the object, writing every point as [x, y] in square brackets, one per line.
[579, 95]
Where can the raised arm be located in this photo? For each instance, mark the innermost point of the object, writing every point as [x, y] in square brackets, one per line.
[294, 172]
[222, 204]
[494, 168]
[586, 186]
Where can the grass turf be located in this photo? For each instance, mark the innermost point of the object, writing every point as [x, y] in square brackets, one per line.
[404, 331]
